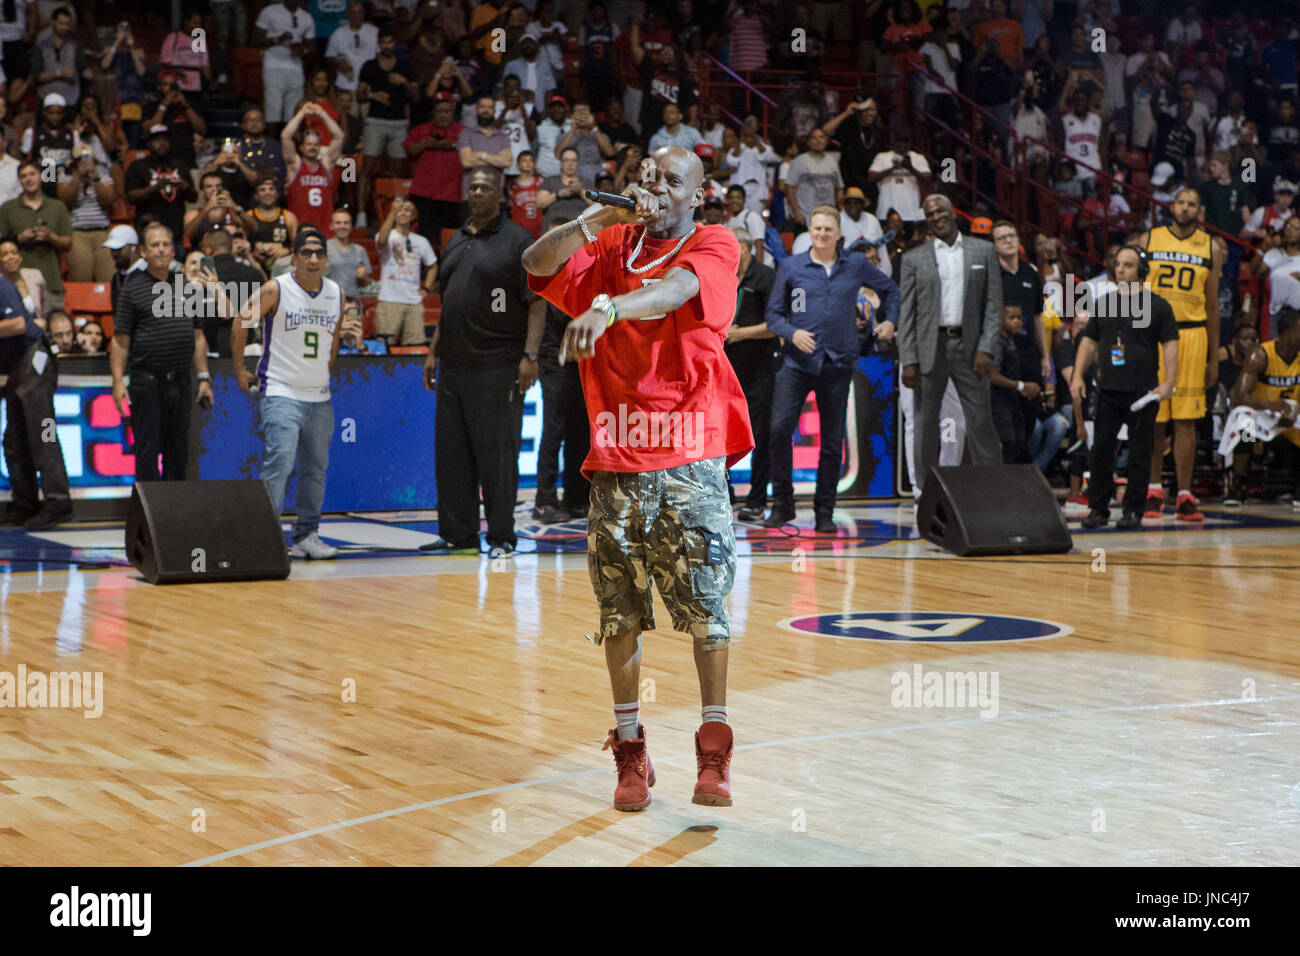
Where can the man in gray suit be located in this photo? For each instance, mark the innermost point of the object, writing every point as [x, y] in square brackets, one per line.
[950, 317]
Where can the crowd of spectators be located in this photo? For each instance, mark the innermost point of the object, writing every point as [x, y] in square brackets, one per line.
[106, 111]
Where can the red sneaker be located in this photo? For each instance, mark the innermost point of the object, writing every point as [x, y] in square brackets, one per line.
[636, 774]
[1079, 499]
[713, 745]
[1155, 504]
[1188, 509]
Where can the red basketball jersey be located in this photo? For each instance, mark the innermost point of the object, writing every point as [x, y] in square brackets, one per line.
[310, 196]
[523, 206]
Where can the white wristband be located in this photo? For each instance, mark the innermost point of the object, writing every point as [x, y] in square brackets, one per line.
[1020, 386]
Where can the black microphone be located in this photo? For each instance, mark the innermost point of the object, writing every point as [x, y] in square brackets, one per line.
[611, 199]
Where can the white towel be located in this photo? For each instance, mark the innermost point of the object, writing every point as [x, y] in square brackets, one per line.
[1250, 424]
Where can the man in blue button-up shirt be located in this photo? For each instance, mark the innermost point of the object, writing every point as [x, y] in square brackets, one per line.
[812, 307]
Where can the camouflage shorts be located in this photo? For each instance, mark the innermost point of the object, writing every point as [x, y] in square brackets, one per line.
[674, 525]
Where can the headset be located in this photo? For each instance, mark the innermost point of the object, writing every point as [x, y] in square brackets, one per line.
[1144, 264]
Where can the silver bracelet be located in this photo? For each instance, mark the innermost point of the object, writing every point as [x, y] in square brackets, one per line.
[582, 221]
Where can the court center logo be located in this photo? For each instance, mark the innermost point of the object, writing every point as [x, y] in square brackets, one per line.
[926, 627]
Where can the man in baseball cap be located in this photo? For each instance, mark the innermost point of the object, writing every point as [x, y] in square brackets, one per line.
[159, 185]
[1270, 218]
[49, 141]
[124, 243]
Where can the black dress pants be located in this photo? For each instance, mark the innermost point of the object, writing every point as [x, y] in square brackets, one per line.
[160, 423]
[478, 423]
[758, 386]
[31, 445]
[1112, 412]
[564, 422]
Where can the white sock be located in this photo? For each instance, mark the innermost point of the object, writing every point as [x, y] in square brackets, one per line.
[1156, 488]
[628, 717]
[713, 712]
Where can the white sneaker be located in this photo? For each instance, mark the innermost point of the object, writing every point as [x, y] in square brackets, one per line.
[1075, 510]
[313, 549]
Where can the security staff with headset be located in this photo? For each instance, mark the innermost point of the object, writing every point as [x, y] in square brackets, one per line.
[1127, 330]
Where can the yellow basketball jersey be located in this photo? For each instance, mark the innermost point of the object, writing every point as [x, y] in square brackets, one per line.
[1179, 270]
[1279, 380]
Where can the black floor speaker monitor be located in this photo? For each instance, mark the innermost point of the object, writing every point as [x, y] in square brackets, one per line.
[186, 532]
[1002, 509]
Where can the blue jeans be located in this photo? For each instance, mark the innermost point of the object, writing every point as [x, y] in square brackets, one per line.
[1045, 441]
[302, 430]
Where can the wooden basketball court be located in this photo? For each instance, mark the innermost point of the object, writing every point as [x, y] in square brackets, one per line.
[392, 709]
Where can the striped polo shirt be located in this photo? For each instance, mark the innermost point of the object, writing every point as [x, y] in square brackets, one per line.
[152, 313]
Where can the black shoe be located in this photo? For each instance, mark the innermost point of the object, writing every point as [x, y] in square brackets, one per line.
[51, 513]
[1097, 518]
[576, 512]
[1235, 496]
[443, 546]
[751, 513]
[550, 514]
[15, 517]
[1130, 520]
[780, 516]
[826, 525]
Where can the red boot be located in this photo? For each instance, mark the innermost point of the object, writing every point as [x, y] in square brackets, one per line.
[636, 774]
[713, 745]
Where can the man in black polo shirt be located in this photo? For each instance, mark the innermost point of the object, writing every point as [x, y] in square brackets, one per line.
[755, 354]
[31, 444]
[239, 283]
[152, 335]
[1127, 329]
[482, 360]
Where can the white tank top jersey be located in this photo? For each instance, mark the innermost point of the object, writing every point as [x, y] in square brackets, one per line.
[1082, 139]
[299, 337]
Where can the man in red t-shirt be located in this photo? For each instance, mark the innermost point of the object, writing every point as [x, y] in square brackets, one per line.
[668, 417]
[436, 185]
[309, 169]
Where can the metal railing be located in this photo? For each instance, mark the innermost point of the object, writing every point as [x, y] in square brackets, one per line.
[722, 85]
[1026, 201]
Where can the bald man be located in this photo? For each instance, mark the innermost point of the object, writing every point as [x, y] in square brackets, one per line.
[668, 418]
[951, 316]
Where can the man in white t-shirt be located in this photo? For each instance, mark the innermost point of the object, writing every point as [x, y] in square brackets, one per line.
[749, 162]
[1228, 128]
[1269, 217]
[10, 188]
[739, 217]
[289, 30]
[900, 175]
[352, 46]
[399, 316]
[1279, 256]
